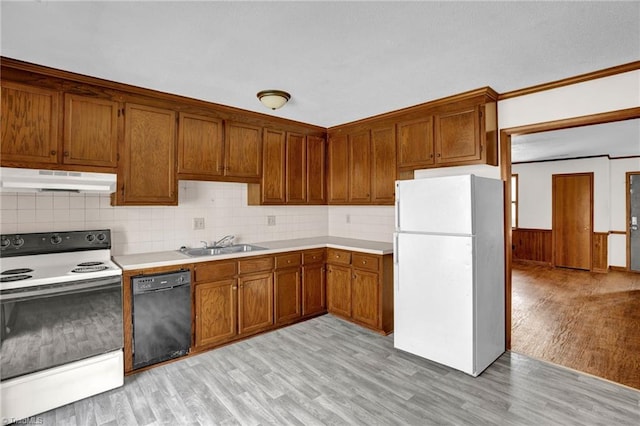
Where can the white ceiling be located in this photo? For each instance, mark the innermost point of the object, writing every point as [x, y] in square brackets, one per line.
[341, 61]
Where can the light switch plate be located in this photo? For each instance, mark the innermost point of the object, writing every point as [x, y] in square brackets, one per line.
[198, 223]
[271, 221]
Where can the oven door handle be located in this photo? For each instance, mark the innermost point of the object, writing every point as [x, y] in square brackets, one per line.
[60, 288]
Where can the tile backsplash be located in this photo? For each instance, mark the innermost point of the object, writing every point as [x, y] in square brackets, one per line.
[222, 205]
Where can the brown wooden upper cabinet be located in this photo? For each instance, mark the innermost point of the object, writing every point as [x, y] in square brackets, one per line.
[31, 123]
[293, 170]
[316, 167]
[362, 166]
[243, 151]
[200, 145]
[415, 144]
[147, 167]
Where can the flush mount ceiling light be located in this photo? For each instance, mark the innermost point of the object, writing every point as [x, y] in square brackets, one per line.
[273, 99]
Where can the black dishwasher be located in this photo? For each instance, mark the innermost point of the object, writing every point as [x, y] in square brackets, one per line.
[161, 317]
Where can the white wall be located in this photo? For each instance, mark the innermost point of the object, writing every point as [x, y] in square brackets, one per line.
[534, 182]
[363, 222]
[612, 93]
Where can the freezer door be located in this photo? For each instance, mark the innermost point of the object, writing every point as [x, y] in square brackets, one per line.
[435, 205]
[433, 300]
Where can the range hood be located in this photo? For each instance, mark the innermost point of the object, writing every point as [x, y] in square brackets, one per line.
[28, 180]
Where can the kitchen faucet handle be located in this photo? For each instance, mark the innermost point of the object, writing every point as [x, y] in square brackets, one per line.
[204, 244]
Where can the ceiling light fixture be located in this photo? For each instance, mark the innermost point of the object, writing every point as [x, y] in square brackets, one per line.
[273, 99]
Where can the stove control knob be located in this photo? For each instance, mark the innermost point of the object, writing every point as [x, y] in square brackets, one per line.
[90, 237]
[101, 237]
[56, 239]
[5, 242]
[18, 241]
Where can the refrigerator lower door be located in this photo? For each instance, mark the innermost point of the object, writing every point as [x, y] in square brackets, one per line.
[433, 300]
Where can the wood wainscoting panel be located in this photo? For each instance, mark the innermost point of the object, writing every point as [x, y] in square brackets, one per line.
[600, 262]
[532, 244]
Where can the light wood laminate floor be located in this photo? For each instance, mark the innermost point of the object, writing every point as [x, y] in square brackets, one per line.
[585, 321]
[327, 371]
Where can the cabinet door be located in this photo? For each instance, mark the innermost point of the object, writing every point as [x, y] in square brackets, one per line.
[273, 169]
[339, 290]
[296, 167]
[360, 167]
[215, 312]
[458, 136]
[415, 143]
[313, 289]
[338, 176]
[200, 145]
[383, 175]
[287, 295]
[90, 131]
[243, 150]
[365, 294]
[149, 156]
[316, 166]
[255, 302]
[30, 120]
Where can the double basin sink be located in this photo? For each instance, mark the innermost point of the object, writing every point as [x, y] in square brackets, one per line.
[214, 251]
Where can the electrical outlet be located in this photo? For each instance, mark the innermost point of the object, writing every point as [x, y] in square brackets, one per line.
[198, 223]
[348, 218]
[271, 220]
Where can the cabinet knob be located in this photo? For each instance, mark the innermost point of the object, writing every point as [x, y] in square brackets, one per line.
[66, 153]
[53, 152]
[364, 262]
[234, 288]
[438, 155]
[288, 261]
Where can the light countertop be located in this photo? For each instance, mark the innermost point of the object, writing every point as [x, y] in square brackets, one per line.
[175, 257]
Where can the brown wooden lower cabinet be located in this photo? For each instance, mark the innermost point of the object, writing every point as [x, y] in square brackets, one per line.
[216, 309]
[287, 288]
[360, 288]
[313, 282]
[255, 302]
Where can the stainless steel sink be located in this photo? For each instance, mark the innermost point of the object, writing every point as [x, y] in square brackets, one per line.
[214, 251]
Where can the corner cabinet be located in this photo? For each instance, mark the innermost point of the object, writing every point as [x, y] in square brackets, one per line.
[147, 166]
[360, 288]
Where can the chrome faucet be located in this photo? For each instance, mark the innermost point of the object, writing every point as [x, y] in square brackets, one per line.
[227, 240]
[204, 244]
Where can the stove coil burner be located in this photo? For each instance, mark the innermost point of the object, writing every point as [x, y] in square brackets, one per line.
[84, 269]
[90, 264]
[11, 278]
[16, 271]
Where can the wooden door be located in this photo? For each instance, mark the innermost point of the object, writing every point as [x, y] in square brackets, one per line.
[365, 297]
[255, 302]
[383, 174]
[287, 295]
[30, 124]
[215, 312]
[458, 136]
[243, 150]
[200, 145]
[313, 289]
[338, 166]
[296, 169]
[360, 167]
[273, 168]
[149, 157]
[90, 131]
[316, 166]
[572, 227]
[415, 143]
[339, 290]
[633, 221]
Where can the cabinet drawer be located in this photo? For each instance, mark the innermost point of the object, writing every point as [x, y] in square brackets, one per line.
[313, 256]
[214, 271]
[255, 264]
[365, 261]
[341, 257]
[287, 260]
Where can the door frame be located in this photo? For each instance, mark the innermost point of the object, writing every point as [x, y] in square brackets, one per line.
[554, 236]
[505, 174]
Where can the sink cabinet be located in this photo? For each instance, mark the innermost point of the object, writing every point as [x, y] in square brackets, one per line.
[215, 296]
[255, 294]
[360, 288]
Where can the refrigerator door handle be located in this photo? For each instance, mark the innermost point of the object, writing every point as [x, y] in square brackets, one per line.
[398, 214]
[396, 258]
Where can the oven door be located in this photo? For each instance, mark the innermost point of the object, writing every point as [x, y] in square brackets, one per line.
[52, 325]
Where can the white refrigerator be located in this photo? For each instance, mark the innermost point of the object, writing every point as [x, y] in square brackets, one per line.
[449, 296]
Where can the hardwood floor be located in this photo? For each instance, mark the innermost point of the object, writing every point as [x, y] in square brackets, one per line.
[327, 371]
[586, 321]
